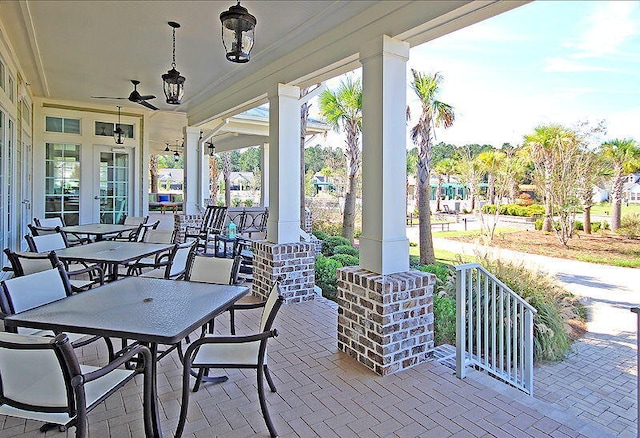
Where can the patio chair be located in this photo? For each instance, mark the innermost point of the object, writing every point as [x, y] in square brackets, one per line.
[233, 352]
[212, 224]
[43, 381]
[28, 291]
[70, 239]
[25, 263]
[214, 270]
[170, 266]
[51, 242]
[136, 234]
[58, 221]
[159, 236]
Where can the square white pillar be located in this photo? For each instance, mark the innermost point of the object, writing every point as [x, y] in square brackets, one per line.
[384, 247]
[283, 225]
[264, 185]
[192, 170]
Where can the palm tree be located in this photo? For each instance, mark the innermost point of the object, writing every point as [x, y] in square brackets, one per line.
[623, 155]
[153, 170]
[342, 109]
[434, 114]
[226, 174]
[443, 169]
[412, 169]
[491, 161]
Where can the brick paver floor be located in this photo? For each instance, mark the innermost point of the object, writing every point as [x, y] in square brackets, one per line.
[324, 393]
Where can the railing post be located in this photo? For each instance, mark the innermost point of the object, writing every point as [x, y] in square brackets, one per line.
[528, 347]
[636, 310]
[461, 320]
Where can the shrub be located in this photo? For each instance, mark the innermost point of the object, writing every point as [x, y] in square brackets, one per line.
[556, 307]
[248, 202]
[346, 249]
[326, 278]
[320, 235]
[489, 208]
[536, 210]
[515, 209]
[346, 259]
[577, 225]
[539, 223]
[441, 271]
[630, 226]
[236, 202]
[444, 320]
[329, 244]
[329, 228]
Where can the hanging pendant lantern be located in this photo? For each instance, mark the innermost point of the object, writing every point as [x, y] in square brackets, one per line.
[172, 82]
[212, 149]
[238, 27]
[118, 133]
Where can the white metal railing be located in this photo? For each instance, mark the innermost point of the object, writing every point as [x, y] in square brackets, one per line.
[636, 310]
[494, 328]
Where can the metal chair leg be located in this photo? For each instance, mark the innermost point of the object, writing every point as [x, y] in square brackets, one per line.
[263, 403]
[272, 386]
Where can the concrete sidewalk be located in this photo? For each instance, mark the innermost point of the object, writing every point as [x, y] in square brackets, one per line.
[597, 382]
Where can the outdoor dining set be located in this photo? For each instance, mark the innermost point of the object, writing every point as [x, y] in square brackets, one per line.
[140, 292]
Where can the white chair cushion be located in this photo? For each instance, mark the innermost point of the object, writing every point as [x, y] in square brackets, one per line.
[233, 354]
[36, 289]
[156, 273]
[211, 270]
[49, 242]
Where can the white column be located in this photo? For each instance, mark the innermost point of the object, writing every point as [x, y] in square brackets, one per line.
[264, 184]
[283, 225]
[203, 180]
[384, 247]
[191, 170]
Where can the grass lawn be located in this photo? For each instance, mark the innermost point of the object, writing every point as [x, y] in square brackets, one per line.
[472, 233]
[442, 256]
[605, 209]
[604, 248]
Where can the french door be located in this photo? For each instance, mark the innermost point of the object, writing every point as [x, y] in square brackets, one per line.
[113, 188]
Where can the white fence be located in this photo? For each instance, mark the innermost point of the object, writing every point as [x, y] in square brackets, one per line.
[494, 328]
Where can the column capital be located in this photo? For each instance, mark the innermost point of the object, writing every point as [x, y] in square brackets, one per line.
[384, 45]
[283, 90]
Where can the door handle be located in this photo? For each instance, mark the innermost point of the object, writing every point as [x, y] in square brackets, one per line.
[96, 197]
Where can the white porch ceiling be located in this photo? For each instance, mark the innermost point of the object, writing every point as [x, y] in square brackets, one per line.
[72, 50]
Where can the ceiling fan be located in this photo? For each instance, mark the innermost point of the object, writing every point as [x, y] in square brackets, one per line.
[134, 96]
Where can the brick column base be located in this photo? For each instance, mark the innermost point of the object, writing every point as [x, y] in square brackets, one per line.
[385, 322]
[292, 261]
[182, 221]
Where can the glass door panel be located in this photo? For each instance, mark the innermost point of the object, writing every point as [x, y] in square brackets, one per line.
[62, 182]
[114, 188]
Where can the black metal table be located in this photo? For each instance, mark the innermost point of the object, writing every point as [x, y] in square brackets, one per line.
[98, 230]
[146, 310]
[112, 253]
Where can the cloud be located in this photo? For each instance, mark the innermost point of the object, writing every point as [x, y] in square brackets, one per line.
[565, 65]
[607, 29]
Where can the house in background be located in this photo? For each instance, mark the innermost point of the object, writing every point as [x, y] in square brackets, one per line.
[631, 188]
[170, 180]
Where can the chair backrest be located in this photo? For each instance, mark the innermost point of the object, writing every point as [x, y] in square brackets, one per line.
[47, 242]
[271, 307]
[50, 222]
[23, 293]
[214, 219]
[36, 373]
[213, 270]
[159, 236]
[179, 258]
[25, 263]
[135, 220]
[144, 228]
[40, 231]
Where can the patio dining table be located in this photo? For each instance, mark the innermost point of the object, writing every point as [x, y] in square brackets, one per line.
[112, 253]
[100, 231]
[146, 310]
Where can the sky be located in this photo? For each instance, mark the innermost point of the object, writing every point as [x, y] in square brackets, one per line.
[544, 62]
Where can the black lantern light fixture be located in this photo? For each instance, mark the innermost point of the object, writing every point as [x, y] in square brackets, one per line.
[172, 82]
[176, 156]
[212, 149]
[167, 148]
[238, 27]
[118, 133]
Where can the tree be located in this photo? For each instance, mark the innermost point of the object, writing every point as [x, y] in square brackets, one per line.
[213, 179]
[153, 170]
[471, 173]
[249, 160]
[342, 109]
[443, 170]
[412, 169]
[226, 174]
[434, 114]
[491, 161]
[557, 153]
[623, 157]
[591, 174]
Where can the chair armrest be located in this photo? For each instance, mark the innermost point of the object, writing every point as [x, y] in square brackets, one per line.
[247, 306]
[96, 269]
[126, 356]
[233, 339]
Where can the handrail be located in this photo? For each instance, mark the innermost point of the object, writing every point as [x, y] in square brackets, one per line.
[494, 328]
[636, 310]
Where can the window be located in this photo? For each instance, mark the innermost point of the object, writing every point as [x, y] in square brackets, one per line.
[62, 181]
[1, 75]
[58, 124]
[26, 114]
[106, 129]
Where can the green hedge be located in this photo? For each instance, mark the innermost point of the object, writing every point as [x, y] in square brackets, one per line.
[326, 278]
[346, 249]
[346, 259]
[515, 209]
